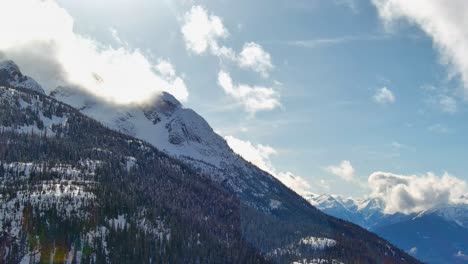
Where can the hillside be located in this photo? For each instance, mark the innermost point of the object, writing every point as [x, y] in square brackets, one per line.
[115, 178]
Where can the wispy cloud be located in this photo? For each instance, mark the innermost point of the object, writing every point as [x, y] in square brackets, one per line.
[325, 42]
[440, 98]
[438, 129]
[351, 4]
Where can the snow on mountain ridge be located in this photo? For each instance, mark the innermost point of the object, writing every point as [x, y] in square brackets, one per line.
[162, 121]
[454, 213]
[180, 132]
[10, 75]
[364, 212]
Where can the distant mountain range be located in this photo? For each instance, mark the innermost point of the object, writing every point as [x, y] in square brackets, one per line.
[438, 235]
[86, 181]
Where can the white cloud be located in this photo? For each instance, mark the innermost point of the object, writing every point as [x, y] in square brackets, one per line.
[39, 36]
[253, 98]
[444, 21]
[203, 32]
[253, 56]
[343, 170]
[260, 155]
[384, 96]
[294, 182]
[409, 194]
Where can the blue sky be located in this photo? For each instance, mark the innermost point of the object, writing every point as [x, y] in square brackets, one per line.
[358, 86]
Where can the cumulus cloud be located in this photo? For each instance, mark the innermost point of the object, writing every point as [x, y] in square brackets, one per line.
[384, 96]
[203, 32]
[410, 194]
[253, 98]
[343, 170]
[39, 36]
[260, 155]
[253, 56]
[294, 182]
[444, 21]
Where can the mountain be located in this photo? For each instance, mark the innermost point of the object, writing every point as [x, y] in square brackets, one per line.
[10, 75]
[73, 191]
[157, 176]
[439, 235]
[364, 212]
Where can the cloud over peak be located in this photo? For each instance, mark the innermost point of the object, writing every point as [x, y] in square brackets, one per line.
[43, 42]
[411, 194]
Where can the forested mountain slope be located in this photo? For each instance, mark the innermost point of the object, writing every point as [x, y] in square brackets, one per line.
[61, 168]
[73, 190]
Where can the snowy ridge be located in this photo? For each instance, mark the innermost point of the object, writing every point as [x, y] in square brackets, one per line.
[33, 112]
[317, 261]
[162, 122]
[319, 243]
[364, 212]
[453, 213]
[10, 75]
[308, 243]
[370, 212]
[180, 132]
[435, 235]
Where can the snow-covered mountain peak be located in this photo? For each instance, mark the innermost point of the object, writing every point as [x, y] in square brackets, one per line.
[457, 213]
[169, 99]
[9, 66]
[161, 104]
[161, 121]
[371, 204]
[365, 212]
[10, 75]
